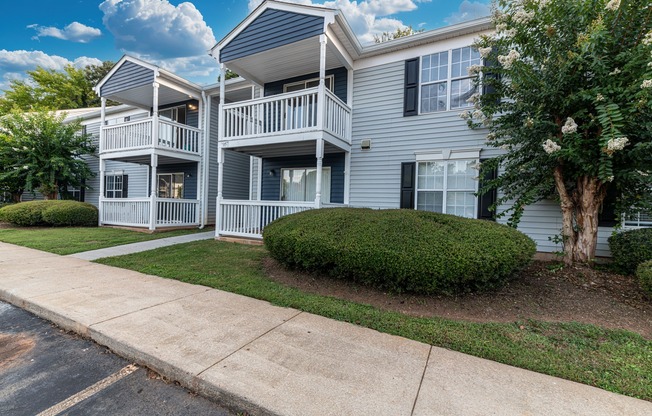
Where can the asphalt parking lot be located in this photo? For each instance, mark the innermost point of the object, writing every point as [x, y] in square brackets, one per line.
[47, 371]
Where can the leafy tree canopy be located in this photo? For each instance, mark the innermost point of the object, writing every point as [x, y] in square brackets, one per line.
[568, 97]
[39, 152]
[55, 90]
[398, 33]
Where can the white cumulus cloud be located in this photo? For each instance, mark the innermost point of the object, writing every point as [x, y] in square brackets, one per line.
[75, 32]
[157, 28]
[469, 10]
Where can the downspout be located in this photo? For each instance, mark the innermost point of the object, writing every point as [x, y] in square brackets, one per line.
[206, 157]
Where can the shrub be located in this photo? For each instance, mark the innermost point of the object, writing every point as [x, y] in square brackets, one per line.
[644, 274]
[631, 248]
[69, 214]
[400, 250]
[54, 213]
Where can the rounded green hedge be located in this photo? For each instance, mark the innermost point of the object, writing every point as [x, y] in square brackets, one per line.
[400, 250]
[52, 213]
[644, 274]
[631, 248]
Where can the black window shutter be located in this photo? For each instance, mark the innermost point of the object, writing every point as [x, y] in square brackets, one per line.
[125, 185]
[488, 199]
[607, 214]
[82, 190]
[104, 190]
[407, 184]
[411, 95]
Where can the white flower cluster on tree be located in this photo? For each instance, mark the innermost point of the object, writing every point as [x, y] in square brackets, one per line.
[550, 147]
[613, 145]
[647, 39]
[484, 52]
[599, 97]
[474, 70]
[613, 5]
[474, 98]
[569, 127]
[508, 60]
[523, 17]
[647, 83]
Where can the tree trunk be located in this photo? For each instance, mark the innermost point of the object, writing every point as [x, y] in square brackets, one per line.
[579, 210]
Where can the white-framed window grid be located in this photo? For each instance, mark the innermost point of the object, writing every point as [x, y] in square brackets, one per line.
[443, 74]
[299, 184]
[448, 187]
[114, 186]
[170, 185]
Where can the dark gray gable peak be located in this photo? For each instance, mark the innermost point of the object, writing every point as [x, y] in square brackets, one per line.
[126, 76]
[271, 29]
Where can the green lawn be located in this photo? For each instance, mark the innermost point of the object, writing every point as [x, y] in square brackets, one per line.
[617, 361]
[77, 239]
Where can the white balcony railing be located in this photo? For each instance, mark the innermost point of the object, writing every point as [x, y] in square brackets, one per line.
[249, 218]
[295, 112]
[135, 212]
[138, 135]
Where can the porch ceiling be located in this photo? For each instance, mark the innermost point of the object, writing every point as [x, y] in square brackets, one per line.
[307, 147]
[145, 159]
[287, 61]
[143, 96]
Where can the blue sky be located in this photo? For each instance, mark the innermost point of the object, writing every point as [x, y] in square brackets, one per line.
[175, 34]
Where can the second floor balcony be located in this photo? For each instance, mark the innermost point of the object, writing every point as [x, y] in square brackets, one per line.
[148, 134]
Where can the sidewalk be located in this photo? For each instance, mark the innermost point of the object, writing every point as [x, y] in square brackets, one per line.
[270, 360]
[142, 246]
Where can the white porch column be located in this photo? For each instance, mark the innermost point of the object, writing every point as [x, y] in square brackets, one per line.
[320, 162]
[220, 154]
[155, 114]
[200, 165]
[152, 197]
[321, 95]
[102, 179]
[102, 121]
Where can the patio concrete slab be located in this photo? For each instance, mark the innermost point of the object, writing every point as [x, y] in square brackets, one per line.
[186, 336]
[460, 384]
[316, 366]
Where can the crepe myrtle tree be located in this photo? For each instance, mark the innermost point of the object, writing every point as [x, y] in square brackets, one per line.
[567, 94]
[41, 152]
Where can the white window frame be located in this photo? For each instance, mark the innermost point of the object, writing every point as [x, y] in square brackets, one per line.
[445, 157]
[172, 175]
[114, 189]
[305, 82]
[323, 169]
[449, 80]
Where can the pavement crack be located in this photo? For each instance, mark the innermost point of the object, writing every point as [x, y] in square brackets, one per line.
[249, 343]
[425, 368]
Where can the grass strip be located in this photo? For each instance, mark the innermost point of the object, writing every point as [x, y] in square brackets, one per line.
[614, 360]
[71, 240]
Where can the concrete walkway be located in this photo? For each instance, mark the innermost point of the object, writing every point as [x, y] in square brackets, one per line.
[142, 246]
[270, 360]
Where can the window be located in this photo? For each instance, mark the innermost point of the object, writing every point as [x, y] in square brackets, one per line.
[177, 114]
[448, 187]
[114, 186]
[300, 184]
[445, 82]
[308, 83]
[170, 185]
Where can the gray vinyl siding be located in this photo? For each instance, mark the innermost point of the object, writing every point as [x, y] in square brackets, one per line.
[273, 28]
[190, 174]
[340, 77]
[192, 118]
[378, 115]
[375, 174]
[271, 183]
[129, 75]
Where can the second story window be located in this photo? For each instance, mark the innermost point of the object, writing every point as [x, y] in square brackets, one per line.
[445, 81]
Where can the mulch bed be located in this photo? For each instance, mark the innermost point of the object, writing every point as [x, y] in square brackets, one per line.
[544, 291]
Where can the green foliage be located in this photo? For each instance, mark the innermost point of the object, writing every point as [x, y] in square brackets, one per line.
[644, 274]
[398, 33]
[631, 248]
[38, 151]
[55, 90]
[575, 63]
[400, 250]
[70, 214]
[53, 213]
